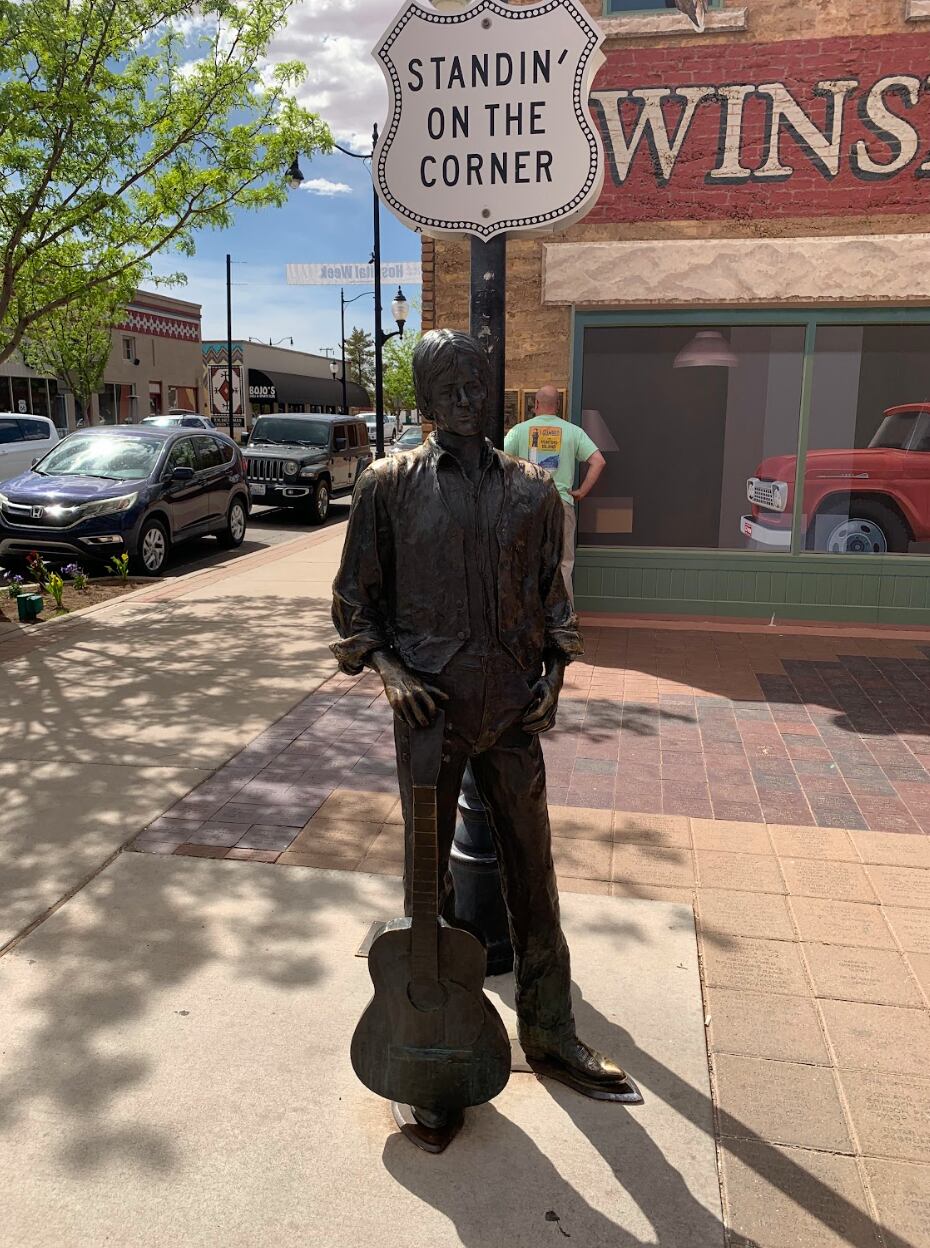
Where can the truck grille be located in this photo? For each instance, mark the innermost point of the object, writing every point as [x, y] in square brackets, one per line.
[762, 493]
[266, 469]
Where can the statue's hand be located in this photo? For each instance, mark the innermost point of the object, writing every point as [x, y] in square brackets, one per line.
[540, 716]
[411, 699]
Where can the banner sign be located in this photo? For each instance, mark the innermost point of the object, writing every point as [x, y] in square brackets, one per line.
[219, 390]
[404, 272]
[489, 129]
[743, 131]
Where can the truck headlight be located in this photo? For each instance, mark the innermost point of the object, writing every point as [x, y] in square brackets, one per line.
[308, 472]
[780, 495]
[291, 468]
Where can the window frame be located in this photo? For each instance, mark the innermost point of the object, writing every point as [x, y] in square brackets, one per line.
[810, 319]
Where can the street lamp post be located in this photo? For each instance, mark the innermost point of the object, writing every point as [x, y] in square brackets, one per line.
[399, 306]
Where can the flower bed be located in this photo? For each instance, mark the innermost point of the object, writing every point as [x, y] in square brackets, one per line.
[63, 591]
[97, 591]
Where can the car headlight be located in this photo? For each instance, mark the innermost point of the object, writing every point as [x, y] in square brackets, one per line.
[3, 500]
[108, 506]
[291, 468]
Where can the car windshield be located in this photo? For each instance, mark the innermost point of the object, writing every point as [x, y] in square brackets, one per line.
[290, 432]
[896, 431]
[411, 437]
[116, 457]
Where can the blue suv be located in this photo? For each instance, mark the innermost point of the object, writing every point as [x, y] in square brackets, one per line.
[104, 491]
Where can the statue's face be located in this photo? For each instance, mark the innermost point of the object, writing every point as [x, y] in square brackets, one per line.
[460, 400]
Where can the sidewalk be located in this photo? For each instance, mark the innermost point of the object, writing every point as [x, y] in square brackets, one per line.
[776, 782]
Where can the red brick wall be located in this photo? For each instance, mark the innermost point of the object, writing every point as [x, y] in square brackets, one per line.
[691, 191]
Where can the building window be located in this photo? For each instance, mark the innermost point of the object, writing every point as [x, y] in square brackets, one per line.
[183, 398]
[683, 417]
[129, 349]
[867, 469]
[155, 408]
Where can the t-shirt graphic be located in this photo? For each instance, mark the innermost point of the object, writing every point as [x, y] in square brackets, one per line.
[546, 447]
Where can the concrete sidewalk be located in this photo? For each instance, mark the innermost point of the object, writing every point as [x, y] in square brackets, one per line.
[109, 716]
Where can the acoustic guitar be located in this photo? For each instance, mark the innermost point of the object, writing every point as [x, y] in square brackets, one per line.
[429, 1037]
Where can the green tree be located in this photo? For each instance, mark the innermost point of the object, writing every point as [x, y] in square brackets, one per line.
[360, 358]
[73, 342]
[399, 394]
[125, 127]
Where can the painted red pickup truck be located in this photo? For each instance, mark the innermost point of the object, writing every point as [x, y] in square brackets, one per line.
[870, 501]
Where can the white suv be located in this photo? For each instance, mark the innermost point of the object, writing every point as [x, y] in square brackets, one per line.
[391, 426]
[23, 438]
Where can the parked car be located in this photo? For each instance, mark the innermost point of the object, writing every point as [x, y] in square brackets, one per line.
[303, 461]
[189, 420]
[392, 426]
[108, 490]
[23, 439]
[871, 500]
[409, 440]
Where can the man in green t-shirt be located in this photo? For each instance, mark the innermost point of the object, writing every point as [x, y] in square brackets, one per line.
[557, 446]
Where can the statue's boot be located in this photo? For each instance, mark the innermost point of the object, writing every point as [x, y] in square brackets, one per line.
[431, 1130]
[578, 1066]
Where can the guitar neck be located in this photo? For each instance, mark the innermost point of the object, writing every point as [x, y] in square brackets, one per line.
[424, 902]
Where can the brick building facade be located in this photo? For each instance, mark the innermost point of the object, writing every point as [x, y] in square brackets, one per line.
[767, 183]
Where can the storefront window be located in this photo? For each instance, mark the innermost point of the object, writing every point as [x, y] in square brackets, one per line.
[867, 474]
[21, 399]
[40, 402]
[117, 405]
[183, 397]
[684, 419]
[155, 398]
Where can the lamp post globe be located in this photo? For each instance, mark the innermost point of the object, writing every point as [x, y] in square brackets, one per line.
[400, 310]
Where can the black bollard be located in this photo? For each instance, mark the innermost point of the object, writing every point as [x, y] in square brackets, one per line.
[479, 903]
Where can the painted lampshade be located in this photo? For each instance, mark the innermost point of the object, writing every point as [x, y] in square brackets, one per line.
[707, 349]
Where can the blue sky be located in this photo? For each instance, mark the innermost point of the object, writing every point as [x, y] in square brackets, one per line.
[330, 219]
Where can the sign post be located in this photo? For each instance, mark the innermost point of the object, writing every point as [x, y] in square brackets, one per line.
[490, 133]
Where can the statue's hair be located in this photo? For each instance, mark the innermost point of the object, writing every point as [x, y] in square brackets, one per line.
[435, 357]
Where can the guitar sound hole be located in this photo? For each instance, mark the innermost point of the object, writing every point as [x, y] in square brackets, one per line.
[427, 994]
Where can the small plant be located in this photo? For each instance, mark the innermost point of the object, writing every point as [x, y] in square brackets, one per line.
[15, 587]
[77, 574]
[37, 567]
[55, 585]
[119, 566]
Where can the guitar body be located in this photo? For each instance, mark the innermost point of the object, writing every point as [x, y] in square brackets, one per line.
[436, 1044]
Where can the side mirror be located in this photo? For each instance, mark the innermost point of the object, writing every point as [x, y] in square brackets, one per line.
[182, 473]
[340, 444]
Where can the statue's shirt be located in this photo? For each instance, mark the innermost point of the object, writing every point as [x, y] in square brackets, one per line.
[433, 565]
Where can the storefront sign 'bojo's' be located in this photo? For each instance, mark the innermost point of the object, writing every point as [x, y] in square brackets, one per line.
[489, 128]
[793, 128]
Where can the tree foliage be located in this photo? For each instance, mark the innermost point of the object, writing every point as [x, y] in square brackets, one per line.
[399, 394]
[125, 127]
[360, 358]
[73, 342]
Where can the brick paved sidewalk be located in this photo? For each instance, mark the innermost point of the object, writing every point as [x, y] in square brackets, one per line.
[814, 939]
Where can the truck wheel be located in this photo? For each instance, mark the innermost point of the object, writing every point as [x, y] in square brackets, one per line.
[151, 554]
[317, 507]
[864, 528]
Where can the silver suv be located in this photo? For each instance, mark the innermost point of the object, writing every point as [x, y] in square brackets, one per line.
[302, 460]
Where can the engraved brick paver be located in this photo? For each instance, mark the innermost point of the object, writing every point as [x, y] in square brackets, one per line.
[873, 1038]
[879, 976]
[765, 1025]
[752, 1102]
[851, 923]
[902, 1194]
[891, 1115]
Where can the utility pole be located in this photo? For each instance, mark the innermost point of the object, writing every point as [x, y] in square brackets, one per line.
[229, 359]
[342, 326]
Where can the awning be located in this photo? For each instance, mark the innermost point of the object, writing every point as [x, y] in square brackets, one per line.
[266, 386]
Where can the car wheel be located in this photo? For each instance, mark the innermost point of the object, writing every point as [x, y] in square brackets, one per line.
[236, 522]
[151, 553]
[862, 528]
[317, 507]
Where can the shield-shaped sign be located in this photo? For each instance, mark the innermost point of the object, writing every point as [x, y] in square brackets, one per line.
[489, 128]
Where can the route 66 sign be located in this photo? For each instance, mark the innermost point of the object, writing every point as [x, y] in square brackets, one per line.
[489, 128]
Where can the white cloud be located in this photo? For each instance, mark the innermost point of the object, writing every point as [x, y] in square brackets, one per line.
[323, 186]
[344, 84]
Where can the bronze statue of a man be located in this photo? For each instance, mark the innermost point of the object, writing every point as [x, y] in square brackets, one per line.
[450, 588]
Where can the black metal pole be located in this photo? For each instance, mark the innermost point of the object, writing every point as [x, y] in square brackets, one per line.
[229, 361]
[379, 334]
[342, 322]
[479, 902]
